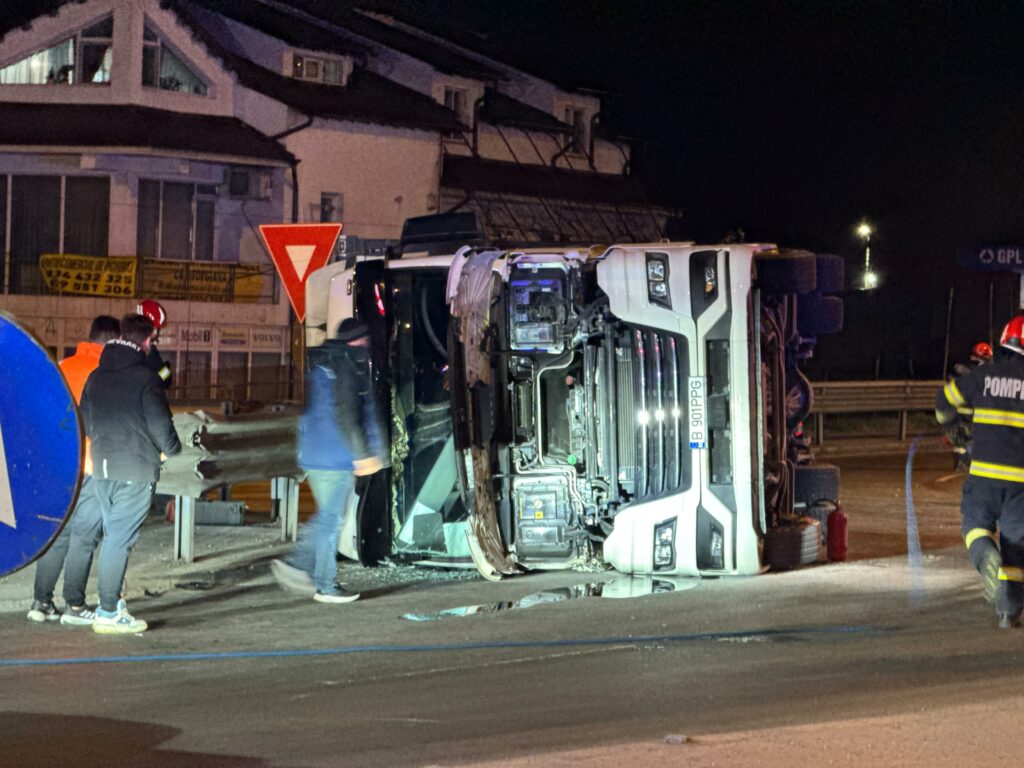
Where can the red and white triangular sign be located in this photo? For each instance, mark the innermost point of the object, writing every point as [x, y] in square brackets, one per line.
[297, 251]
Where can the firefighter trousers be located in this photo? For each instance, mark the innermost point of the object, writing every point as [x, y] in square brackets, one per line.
[993, 520]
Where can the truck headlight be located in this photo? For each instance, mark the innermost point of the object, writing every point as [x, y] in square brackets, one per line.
[665, 545]
[657, 280]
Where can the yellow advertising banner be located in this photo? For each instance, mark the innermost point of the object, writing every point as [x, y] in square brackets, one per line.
[202, 281]
[88, 275]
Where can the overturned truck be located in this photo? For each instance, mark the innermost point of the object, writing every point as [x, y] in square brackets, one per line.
[639, 407]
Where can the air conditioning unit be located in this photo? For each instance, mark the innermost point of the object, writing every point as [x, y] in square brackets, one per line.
[249, 184]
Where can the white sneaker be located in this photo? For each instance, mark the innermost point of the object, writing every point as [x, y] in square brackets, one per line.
[336, 595]
[291, 578]
[43, 612]
[120, 622]
[82, 616]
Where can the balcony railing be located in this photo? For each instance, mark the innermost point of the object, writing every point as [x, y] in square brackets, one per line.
[128, 276]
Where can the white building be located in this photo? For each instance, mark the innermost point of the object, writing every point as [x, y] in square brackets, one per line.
[150, 138]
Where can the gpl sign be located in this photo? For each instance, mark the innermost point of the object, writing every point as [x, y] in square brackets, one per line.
[993, 258]
[40, 448]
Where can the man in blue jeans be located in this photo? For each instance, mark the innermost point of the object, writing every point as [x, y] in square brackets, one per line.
[72, 551]
[340, 435]
[126, 416]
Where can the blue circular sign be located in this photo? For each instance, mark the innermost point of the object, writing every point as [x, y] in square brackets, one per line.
[40, 448]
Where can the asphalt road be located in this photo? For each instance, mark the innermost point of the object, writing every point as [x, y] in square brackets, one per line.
[245, 675]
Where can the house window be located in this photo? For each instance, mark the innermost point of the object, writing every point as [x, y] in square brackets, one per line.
[456, 100]
[332, 206]
[176, 220]
[163, 69]
[577, 118]
[85, 57]
[318, 69]
[54, 214]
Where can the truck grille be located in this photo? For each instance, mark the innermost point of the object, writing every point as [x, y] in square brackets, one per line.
[651, 372]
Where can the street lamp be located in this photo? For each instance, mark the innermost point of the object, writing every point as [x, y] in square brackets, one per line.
[864, 231]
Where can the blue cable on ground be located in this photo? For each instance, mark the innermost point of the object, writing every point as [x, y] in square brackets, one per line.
[915, 563]
[442, 647]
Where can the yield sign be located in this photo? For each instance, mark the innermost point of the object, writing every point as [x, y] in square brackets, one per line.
[297, 251]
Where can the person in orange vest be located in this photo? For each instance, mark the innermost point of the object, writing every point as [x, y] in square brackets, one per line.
[73, 550]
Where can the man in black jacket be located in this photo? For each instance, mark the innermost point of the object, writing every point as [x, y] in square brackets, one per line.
[126, 416]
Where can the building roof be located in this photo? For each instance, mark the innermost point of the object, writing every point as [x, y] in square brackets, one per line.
[366, 97]
[288, 27]
[475, 175]
[441, 57]
[501, 109]
[120, 126]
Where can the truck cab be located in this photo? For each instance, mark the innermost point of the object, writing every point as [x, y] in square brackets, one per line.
[640, 407]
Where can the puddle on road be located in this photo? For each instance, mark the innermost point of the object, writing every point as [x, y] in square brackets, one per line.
[618, 587]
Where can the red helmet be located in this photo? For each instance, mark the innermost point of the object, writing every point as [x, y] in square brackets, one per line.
[153, 311]
[1013, 334]
[981, 352]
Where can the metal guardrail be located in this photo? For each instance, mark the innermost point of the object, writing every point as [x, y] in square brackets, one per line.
[831, 397]
[219, 451]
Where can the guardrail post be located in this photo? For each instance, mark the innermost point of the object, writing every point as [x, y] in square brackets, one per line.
[819, 428]
[275, 497]
[285, 490]
[184, 528]
[903, 425]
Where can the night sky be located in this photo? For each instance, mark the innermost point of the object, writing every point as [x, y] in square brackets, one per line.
[795, 120]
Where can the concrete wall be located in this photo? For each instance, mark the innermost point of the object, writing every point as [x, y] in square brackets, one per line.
[385, 174]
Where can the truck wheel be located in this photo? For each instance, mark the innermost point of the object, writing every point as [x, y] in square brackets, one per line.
[817, 315]
[831, 272]
[816, 483]
[788, 271]
[793, 544]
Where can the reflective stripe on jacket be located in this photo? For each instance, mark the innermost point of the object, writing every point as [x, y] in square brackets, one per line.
[995, 394]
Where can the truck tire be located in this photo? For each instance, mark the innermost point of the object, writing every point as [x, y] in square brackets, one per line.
[788, 271]
[793, 544]
[831, 272]
[818, 315]
[816, 483]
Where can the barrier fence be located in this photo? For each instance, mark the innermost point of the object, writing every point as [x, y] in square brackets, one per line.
[853, 397]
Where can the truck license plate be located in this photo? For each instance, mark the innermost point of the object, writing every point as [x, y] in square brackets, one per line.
[696, 411]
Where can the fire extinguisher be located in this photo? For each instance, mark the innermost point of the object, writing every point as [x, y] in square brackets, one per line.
[836, 537]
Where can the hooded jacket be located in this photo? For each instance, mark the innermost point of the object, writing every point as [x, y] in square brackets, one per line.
[126, 416]
[340, 423]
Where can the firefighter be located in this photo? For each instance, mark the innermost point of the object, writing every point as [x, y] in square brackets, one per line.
[958, 431]
[981, 353]
[993, 494]
[155, 312]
